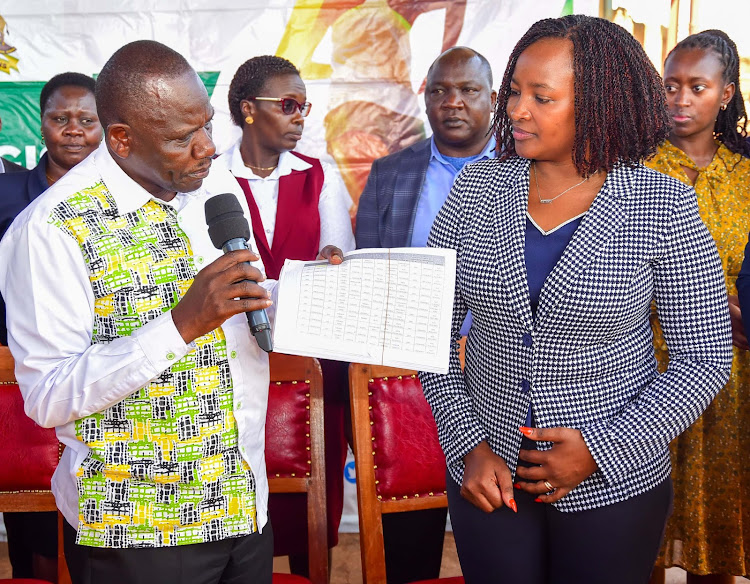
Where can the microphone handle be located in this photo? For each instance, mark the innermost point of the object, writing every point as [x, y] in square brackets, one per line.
[257, 319]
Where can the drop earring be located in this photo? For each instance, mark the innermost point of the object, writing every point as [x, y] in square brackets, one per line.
[42, 135]
[723, 106]
[249, 120]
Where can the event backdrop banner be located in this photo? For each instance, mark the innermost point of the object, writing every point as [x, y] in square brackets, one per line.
[363, 61]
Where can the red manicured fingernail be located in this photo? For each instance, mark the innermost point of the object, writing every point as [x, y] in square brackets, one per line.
[513, 505]
[526, 431]
[516, 486]
[537, 500]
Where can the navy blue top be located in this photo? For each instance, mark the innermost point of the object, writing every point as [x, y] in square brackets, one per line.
[542, 252]
[17, 190]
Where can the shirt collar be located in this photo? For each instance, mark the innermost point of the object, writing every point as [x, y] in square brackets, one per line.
[487, 151]
[127, 193]
[287, 163]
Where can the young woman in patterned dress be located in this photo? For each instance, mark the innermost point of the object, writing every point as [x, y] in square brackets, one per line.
[709, 531]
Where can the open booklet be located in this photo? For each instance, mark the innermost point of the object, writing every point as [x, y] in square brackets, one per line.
[380, 306]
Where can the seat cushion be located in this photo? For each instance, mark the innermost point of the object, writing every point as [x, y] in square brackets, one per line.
[408, 456]
[289, 579]
[30, 453]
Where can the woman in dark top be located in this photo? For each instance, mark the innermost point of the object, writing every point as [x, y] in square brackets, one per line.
[557, 432]
[71, 131]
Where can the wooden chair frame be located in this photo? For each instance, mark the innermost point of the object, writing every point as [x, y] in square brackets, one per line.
[37, 500]
[293, 368]
[371, 506]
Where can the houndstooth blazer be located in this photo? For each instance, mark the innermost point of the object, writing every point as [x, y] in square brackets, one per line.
[586, 359]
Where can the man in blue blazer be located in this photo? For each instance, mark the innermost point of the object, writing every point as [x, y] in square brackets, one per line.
[403, 195]
[405, 190]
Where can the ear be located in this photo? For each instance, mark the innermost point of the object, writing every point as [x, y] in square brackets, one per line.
[119, 139]
[493, 99]
[247, 108]
[728, 93]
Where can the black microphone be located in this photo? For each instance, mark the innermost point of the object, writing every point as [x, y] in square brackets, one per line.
[229, 231]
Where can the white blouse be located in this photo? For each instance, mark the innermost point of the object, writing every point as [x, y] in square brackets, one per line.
[333, 205]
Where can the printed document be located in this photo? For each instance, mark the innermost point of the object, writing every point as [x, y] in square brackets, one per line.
[380, 306]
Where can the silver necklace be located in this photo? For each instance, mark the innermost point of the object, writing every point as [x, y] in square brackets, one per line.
[545, 201]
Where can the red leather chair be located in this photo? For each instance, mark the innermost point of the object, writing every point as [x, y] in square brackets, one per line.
[28, 457]
[398, 460]
[295, 451]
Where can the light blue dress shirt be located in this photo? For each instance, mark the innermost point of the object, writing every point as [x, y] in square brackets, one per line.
[441, 172]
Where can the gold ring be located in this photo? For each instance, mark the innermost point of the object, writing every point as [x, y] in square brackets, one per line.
[549, 486]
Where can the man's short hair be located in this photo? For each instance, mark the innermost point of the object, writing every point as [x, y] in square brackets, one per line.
[126, 78]
[466, 54]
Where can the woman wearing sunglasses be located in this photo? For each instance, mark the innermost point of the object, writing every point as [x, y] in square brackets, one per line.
[298, 206]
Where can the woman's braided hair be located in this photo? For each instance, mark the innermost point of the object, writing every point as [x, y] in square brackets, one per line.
[731, 123]
[620, 105]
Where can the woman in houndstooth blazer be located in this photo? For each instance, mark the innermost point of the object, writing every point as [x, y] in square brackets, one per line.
[556, 435]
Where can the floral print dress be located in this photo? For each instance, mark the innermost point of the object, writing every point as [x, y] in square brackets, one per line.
[709, 531]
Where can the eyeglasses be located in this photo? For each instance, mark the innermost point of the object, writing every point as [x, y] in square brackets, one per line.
[288, 105]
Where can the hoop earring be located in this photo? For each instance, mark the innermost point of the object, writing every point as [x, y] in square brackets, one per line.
[249, 120]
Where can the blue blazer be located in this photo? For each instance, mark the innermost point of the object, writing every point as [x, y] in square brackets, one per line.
[17, 190]
[743, 288]
[11, 166]
[586, 359]
[387, 206]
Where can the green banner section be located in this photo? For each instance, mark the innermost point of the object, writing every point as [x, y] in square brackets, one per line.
[209, 79]
[20, 137]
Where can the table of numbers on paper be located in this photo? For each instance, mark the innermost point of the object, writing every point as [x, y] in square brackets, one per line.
[390, 307]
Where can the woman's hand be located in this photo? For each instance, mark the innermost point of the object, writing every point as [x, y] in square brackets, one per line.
[563, 466]
[739, 338]
[487, 481]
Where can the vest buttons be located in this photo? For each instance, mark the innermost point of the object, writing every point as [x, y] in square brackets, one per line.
[170, 355]
[525, 386]
[527, 340]
[233, 354]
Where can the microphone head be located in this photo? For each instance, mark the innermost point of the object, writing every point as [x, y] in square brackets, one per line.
[225, 219]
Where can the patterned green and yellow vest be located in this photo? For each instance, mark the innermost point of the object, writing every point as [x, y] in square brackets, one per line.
[164, 467]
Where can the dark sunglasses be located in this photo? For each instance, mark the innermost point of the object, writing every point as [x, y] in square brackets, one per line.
[288, 105]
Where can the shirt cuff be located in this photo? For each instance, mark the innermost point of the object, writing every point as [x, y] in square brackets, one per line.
[161, 343]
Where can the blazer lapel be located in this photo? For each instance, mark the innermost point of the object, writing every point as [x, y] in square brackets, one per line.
[411, 176]
[510, 225]
[602, 221]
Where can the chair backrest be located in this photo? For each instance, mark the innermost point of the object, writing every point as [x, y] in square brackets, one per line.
[399, 463]
[28, 457]
[295, 449]
[29, 453]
